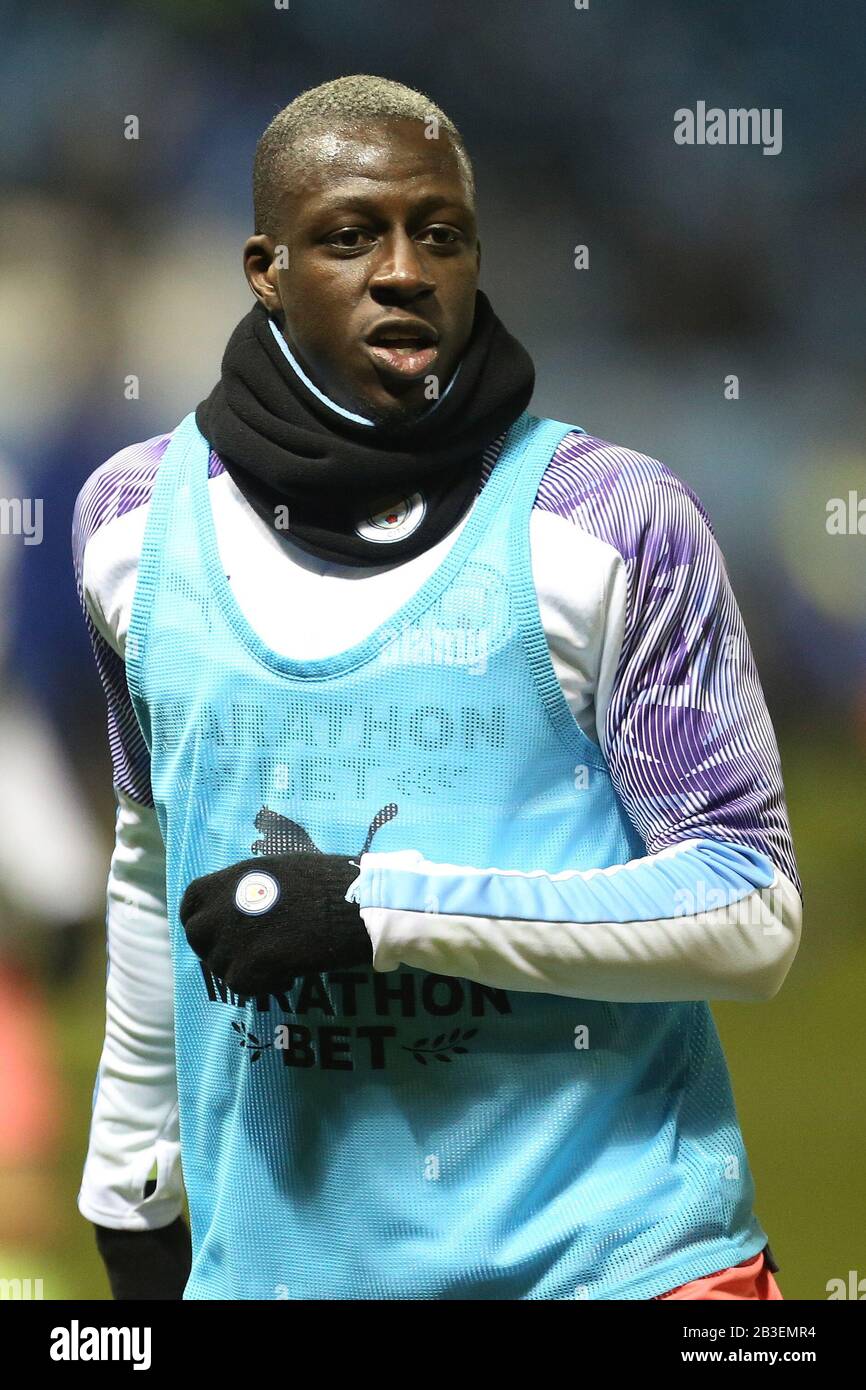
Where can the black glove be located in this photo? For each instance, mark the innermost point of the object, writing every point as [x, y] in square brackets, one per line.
[263, 922]
[146, 1264]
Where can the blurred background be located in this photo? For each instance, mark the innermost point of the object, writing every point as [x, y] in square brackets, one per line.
[122, 257]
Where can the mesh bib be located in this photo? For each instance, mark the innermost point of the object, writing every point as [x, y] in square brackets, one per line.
[384, 1135]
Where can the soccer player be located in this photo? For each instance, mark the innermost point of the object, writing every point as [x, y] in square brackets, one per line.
[447, 793]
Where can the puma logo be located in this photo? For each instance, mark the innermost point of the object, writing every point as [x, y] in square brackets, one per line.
[280, 835]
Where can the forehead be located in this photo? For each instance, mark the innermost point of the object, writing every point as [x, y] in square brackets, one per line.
[384, 160]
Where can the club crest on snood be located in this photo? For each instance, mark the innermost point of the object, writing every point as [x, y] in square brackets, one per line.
[400, 492]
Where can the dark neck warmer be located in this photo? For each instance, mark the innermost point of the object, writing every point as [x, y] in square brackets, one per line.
[318, 477]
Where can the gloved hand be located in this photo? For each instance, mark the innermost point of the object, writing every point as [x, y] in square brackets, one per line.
[146, 1264]
[263, 922]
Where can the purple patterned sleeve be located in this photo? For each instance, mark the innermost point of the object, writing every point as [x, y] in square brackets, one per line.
[689, 741]
[121, 485]
[118, 487]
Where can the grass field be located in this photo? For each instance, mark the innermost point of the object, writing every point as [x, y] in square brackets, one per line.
[797, 1064]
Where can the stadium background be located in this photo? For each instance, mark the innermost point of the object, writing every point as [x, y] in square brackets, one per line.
[122, 257]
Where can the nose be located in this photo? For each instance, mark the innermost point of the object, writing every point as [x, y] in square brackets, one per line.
[399, 275]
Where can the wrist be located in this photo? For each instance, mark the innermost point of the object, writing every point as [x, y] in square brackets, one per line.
[152, 1264]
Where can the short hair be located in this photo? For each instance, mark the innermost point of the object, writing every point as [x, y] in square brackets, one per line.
[346, 99]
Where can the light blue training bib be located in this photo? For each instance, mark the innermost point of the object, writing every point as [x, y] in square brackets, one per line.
[387, 1135]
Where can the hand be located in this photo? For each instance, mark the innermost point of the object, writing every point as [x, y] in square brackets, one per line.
[146, 1264]
[263, 922]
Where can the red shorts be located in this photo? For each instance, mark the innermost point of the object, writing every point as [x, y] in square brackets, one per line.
[751, 1278]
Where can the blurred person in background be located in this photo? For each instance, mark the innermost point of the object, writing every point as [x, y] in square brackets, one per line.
[51, 895]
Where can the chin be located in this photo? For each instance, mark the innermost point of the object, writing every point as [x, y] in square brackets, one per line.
[400, 410]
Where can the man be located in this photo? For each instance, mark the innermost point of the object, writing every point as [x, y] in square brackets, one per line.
[447, 793]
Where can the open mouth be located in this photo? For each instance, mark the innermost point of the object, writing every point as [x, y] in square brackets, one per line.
[403, 348]
[409, 359]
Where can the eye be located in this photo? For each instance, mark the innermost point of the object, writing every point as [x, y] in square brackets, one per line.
[350, 238]
[440, 235]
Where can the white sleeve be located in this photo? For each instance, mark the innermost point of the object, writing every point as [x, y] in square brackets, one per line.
[134, 1126]
[700, 920]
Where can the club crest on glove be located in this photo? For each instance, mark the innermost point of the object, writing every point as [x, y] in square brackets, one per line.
[256, 893]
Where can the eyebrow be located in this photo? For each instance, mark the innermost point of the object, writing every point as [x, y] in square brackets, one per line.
[360, 203]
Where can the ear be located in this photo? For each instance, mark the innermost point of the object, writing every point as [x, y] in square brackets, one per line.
[261, 270]
[478, 253]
